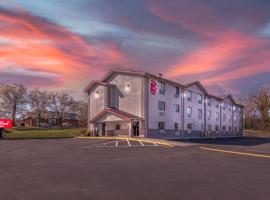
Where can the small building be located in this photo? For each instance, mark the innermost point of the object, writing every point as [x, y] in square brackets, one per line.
[142, 104]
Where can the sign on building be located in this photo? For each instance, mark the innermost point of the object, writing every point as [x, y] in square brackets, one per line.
[5, 123]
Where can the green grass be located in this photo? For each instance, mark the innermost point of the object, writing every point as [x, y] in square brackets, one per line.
[36, 133]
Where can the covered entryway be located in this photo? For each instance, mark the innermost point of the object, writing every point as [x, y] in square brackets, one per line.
[113, 122]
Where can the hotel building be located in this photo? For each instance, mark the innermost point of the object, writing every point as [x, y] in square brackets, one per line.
[142, 104]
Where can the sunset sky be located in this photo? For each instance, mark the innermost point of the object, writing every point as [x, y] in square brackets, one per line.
[64, 44]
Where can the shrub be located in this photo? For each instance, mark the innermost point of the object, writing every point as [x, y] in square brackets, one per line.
[83, 131]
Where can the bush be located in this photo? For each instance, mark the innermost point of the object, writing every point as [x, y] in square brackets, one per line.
[8, 131]
[83, 131]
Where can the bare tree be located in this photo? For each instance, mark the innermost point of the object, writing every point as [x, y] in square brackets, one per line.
[82, 111]
[38, 101]
[13, 99]
[61, 104]
[262, 101]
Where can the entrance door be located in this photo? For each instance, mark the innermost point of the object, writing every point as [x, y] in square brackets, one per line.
[136, 128]
[103, 131]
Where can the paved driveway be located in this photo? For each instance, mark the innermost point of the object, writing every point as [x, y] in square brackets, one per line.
[87, 169]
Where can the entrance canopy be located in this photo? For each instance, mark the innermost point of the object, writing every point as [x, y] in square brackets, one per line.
[110, 114]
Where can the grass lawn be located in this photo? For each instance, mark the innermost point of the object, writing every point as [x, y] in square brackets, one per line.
[36, 133]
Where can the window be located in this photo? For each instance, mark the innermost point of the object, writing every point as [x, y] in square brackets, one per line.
[235, 129]
[230, 128]
[234, 118]
[217, 116]
[200, 99]
[202, 127]
[189, 126]
[209, 115]
[176, 126]
[161, 87]
[161, 105]
[217, 127]
[200, 113]
[230, 118]
[189, 111]
[189, 95]
[177, 92]
[209, 101]
[224, 106]
[209, 127]
[223, 128]
[177, 107]
[234, 108]
[230, 107]
[239, 110]
[117, 127]
[224, 117]
[161, 125]
[217, 104]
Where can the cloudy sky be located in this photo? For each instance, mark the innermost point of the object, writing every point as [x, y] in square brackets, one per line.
[64, 44]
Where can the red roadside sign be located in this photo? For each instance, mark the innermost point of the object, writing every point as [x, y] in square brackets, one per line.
[5, 123]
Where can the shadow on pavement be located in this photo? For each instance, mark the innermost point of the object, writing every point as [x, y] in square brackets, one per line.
[241, 141]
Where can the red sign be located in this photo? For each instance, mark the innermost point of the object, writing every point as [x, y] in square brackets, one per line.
[5, 123]
[153, 87]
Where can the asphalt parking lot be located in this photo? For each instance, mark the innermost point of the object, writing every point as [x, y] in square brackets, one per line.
[111, 169]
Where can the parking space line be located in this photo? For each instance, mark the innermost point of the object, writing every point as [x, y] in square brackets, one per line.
[115, 146]
[141, 143]
[116, 143]
[128, 143]
[236, 152]
[155, 144]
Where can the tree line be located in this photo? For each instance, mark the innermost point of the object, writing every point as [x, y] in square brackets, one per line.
[17, 101]
[257, 109]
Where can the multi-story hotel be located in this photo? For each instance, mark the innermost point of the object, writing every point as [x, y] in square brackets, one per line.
[142, 104]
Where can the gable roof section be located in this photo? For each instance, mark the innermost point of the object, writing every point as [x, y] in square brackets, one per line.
[121, 114]
[199, 85]
[223, 97]
[93, 83]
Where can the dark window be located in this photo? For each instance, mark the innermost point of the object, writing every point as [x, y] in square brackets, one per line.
[209, 101]
[224, 117]
[230, 128]
[117, 127]
[161, 125]
[209, 115]
[177, 107]
[161, 105]
[189, 95]
[217, 128]
[209, 127]
[189, 126]
[217, 116]
[217, 104]
[177, 92]
[200, 98]
[235, 129]
[176, 126]
[161, 87]
[224, 128]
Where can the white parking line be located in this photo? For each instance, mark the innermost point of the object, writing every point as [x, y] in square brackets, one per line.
[128, 143]
[115, 146]
[141, 143]
[116, 143]
[155, 144]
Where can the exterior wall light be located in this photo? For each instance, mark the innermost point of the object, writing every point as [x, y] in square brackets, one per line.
[97, 94]
[127, 88]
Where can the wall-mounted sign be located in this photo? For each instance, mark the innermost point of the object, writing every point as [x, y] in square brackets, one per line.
[153, 87]
[5, 123]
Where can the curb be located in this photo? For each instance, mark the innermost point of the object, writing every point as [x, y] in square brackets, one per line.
[128, 138]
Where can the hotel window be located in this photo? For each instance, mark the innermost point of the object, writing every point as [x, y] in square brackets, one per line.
[209, 101]
[161, 87]
[161, 125]
[189, 95]
[200, 113]
[200, 99]
[234, 118]
[217, 127]
[230, 107]
[224, 106]
[230, 118]
[217, 116]
[224, 117]
[223, 128]
[235, 129]
[177, 92]
[209, 115]
[234, 108]
[117, 127]
[239, 110]
[189, 126]
[161, 105]
[176, 126]
[209, 127]
[189, 111]
[230, 128]
[217, 104]
[177, 107]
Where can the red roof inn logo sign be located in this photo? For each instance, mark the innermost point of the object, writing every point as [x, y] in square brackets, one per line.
[153, 87]
[5, 123]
